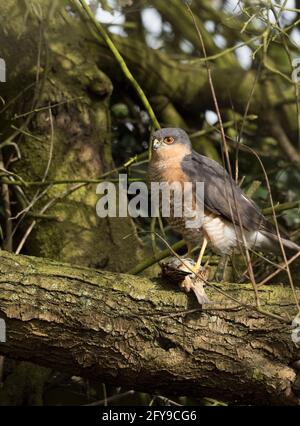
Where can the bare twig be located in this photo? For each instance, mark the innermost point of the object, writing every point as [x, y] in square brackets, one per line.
[8, 242]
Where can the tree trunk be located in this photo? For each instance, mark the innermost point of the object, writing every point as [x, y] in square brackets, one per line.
[65, 134]
[142, 334]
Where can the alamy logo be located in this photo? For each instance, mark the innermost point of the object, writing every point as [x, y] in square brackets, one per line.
[296, 72]
[296, 330]
[171, 200]
[2, 71]
[2, 331]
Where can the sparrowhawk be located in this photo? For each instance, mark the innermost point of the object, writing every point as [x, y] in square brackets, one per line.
[230, 219]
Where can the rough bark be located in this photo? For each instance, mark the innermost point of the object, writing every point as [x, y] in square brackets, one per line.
[49, 67]
[78, 133]
[134, 332]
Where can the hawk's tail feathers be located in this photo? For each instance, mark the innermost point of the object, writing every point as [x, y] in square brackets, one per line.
[289, 245]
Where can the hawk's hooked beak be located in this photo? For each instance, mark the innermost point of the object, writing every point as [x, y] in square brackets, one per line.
[156, 144]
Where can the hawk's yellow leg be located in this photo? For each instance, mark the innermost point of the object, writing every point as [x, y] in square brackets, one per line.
[201, 254]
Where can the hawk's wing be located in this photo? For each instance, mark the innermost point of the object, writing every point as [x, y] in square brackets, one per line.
[222, 195]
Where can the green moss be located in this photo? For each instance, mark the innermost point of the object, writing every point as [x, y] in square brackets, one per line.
[257, 375]
[81, 145]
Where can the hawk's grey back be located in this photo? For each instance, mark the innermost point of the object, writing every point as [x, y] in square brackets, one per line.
[222, 195]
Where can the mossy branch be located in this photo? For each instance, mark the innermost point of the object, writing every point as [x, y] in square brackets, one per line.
[146, 335]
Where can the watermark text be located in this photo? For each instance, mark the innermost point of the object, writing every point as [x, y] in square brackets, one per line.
[2, 71]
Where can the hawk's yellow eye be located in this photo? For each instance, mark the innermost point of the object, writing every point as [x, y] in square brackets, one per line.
[168, 140]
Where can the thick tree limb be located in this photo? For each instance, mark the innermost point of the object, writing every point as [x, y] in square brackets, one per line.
[134, 332]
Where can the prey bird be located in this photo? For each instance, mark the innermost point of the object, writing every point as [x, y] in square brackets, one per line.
[229, 219]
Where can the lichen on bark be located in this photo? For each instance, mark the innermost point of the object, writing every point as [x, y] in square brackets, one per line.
[78, 132]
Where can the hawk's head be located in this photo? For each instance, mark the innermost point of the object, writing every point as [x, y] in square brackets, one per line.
[170, 138]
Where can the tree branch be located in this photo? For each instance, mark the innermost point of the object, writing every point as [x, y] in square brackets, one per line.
[137, 333]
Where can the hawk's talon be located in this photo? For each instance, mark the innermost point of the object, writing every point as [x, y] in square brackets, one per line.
[197, 285]
[180, 271]
[187, 284]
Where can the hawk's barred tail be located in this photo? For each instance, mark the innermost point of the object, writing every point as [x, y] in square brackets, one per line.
[288, 244]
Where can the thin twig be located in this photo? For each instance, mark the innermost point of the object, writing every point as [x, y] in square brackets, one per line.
[8, 241]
